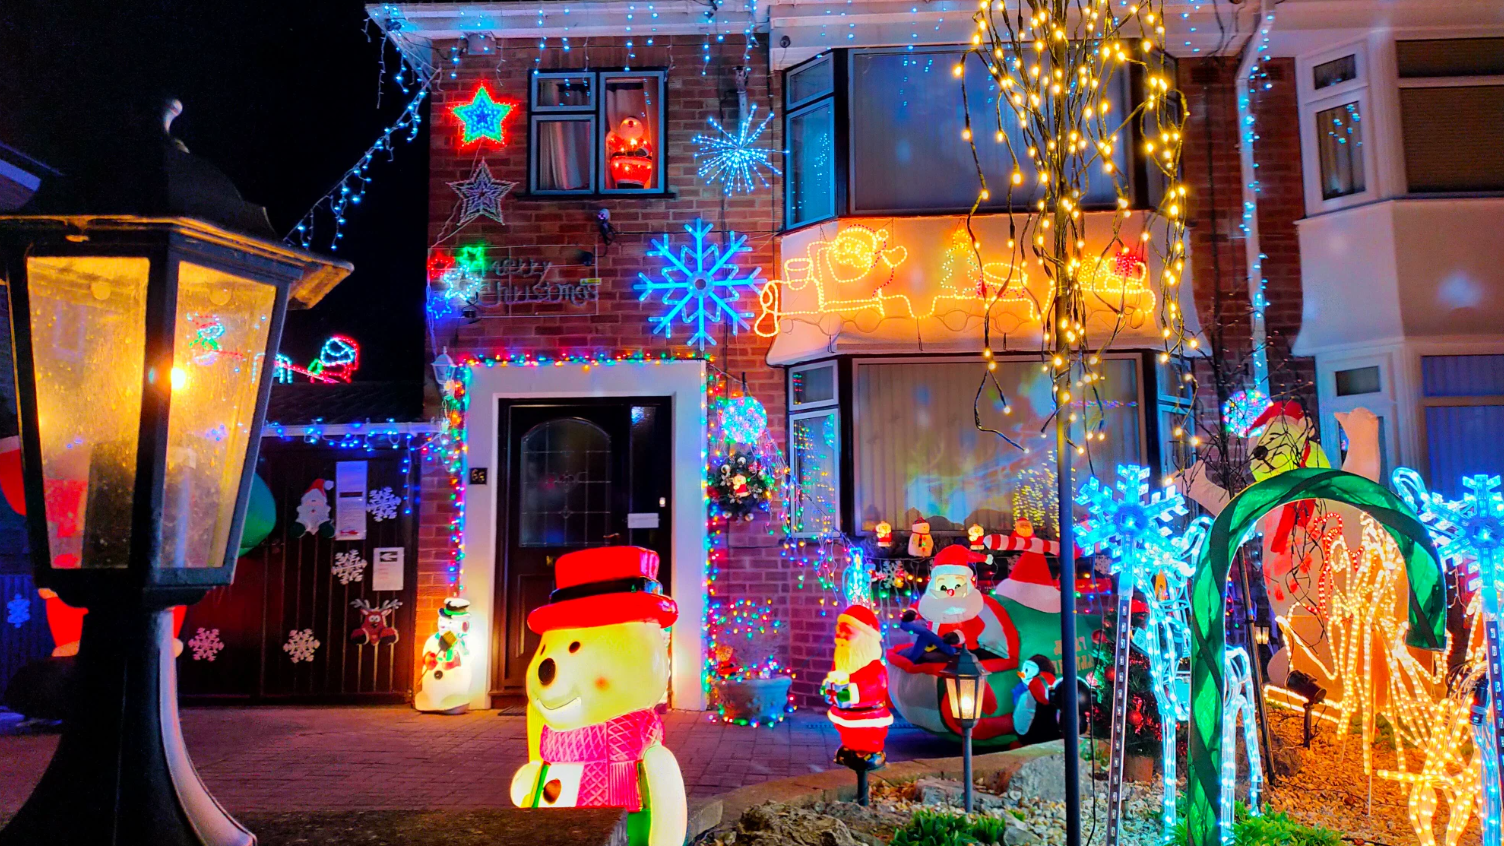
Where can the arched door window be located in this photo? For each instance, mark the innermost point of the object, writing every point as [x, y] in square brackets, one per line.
[566, 484]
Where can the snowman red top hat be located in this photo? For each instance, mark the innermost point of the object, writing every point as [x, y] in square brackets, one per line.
[956, 560]
[603, 586]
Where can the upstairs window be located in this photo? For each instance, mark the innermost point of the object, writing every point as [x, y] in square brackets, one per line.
[596, 132]
[1334, 114]
[1452, 114]
[810, 127]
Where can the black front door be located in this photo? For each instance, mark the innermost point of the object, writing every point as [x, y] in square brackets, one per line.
[579, 473]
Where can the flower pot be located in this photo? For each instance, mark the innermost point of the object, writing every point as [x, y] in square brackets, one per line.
[1138, 768]
[753, 700]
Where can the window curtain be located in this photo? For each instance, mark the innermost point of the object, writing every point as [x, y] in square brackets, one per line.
[564, 155]
[920, 455]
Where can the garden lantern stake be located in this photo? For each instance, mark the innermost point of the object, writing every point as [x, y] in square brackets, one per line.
[963, 687]
[146, 300]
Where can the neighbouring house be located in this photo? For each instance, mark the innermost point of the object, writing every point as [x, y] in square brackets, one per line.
[1345, 186]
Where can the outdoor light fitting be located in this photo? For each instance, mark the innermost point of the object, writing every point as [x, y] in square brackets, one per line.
[146, 302]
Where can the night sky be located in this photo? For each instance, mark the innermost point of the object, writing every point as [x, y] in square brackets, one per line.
[281, 95]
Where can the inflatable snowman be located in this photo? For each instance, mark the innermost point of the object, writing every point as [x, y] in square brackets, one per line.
[445, 687]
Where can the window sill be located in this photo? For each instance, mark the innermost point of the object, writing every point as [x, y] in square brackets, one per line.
[666, 194]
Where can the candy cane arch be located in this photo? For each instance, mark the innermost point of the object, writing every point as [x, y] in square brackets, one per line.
[1427, 610]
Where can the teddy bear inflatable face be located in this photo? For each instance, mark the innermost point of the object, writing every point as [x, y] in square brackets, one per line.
[581, 677]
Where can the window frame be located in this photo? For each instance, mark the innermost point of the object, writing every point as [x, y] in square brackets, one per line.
[830, 409]
[1413, 82]
[835, 379]
[1314, 101]
[793, 109]
[595, 112]
[850, 482]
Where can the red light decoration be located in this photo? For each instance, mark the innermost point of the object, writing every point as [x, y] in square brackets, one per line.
[484, 118]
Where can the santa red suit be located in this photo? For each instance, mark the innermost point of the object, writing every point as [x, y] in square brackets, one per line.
[858, 695]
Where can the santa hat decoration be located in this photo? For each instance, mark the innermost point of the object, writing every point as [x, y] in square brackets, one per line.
[1030, 583]
[860, 616]
[1275, 410]
[956, 560]
[319, 485]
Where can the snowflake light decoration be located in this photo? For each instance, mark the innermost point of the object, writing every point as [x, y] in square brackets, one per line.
[206, 644]
[1131, 526]
[732, 159]
[1469, 534]
[18, 611]
[700, 284]
[383, 504]
[301, 645]
[349, 567]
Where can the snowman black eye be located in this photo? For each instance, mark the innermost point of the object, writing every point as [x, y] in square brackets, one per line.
[574, 647]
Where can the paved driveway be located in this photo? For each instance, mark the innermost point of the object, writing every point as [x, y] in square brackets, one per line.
[393, 758]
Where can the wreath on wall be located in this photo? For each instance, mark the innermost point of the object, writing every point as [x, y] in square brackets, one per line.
[740, 486]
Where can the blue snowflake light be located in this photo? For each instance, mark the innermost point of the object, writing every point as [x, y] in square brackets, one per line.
[733, 159]
[1129, 524]
[17, 611]
[699, 285]
[1469, 534]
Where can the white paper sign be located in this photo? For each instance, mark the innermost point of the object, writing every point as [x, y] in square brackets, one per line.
[642, 520]
[350, 500]
[386, 567]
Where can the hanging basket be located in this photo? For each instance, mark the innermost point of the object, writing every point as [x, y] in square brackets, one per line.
[756, 701]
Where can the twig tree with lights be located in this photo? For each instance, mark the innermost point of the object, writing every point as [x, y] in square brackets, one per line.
[1053, 62]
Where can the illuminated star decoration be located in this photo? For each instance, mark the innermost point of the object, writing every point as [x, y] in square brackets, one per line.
[699, 284]
[481, 195]
[733, 159]
[484, 118]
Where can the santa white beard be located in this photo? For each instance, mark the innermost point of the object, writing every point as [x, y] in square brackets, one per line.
[852, 655]
[939, 608]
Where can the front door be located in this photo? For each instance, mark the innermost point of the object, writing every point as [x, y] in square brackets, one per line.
[578, 473]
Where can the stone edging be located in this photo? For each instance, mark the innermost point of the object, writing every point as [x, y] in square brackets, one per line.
[839, 784]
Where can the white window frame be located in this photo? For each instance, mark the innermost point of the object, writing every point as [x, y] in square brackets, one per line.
[1313, 101]
[832, 410]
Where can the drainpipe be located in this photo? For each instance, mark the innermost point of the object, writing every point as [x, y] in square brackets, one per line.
[1254, 260]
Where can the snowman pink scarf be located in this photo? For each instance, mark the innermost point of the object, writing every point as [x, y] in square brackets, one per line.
[610, 752]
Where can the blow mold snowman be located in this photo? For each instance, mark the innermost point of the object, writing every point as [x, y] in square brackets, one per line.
[445, 688]
[602, 667]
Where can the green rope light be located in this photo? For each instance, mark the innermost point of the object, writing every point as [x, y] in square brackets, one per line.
[1427, 601]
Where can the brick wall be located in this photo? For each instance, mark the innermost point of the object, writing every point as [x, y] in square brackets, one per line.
[750, 565]
[1217, 237]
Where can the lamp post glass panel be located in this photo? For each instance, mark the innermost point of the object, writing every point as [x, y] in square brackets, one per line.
[144, 332]
[963, 688]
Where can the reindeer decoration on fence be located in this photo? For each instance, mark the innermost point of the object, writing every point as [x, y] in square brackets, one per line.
[375, 626]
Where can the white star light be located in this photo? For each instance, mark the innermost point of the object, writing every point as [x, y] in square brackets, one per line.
[733, 159]
[480, 195]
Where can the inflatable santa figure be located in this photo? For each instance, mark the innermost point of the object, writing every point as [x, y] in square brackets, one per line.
[952, 603]
[857, 690]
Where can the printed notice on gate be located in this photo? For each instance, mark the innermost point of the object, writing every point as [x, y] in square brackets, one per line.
[386, 567]
[350, 500]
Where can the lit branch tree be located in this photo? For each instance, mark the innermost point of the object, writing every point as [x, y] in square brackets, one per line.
[1055, 64]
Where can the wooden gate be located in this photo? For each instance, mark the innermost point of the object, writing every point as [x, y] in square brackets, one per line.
[291, 626]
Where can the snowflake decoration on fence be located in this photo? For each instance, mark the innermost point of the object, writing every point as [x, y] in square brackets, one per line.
[349, 567]
[733, 159]
[205, 644]
[301, 645]
[700, 282]
[383, 504]
[18, 611]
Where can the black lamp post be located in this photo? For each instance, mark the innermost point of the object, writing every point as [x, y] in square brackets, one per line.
[146, 308]
[963, 687]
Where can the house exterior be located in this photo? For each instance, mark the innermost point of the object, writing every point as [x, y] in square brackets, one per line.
[1330, 234]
